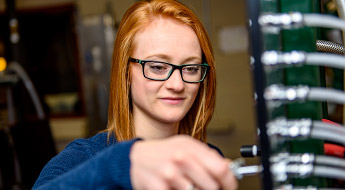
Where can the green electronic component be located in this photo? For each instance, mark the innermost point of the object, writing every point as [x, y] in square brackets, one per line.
[303, 39]
[296, 39]
[272, 42]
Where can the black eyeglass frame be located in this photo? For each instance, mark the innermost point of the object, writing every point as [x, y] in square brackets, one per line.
[179, 67]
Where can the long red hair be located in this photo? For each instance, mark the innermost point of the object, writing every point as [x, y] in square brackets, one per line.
[136, 18]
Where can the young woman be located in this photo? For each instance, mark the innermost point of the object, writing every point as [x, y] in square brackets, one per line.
[162, 97]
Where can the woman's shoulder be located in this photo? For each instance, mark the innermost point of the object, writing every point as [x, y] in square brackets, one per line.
[92, 144]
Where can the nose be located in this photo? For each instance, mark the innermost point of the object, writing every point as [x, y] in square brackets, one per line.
[175, 81]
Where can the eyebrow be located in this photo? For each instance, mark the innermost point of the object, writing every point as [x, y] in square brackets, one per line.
[161, 56]
[168, 58]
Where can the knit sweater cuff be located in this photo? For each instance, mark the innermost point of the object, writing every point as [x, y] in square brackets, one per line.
[119, 170]
[110, 169]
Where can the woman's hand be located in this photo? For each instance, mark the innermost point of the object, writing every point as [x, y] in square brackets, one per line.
[179, 162]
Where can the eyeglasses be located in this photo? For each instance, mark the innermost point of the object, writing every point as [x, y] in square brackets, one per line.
[161, 71]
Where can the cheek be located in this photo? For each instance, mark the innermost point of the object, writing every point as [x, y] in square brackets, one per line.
[142, 89]
[136, 83]
[194, 89]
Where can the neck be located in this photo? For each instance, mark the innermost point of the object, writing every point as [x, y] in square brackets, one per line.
[147, 128]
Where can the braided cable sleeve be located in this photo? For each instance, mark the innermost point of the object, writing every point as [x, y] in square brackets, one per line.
[330, 47]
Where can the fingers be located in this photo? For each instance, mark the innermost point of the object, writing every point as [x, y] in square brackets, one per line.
[207, 168]
[229, 181]
[148, 181]
[217, 177]
[218, 167]
[180, 162]
[196, 172]
[220, 171]
[173, 176]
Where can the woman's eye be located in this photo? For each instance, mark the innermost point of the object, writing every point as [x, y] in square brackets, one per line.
[191, 69]
[158, 67]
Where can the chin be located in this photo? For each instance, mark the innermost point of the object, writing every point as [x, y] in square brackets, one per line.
[171, 118]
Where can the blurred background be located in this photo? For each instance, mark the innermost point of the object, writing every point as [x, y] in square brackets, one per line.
[65, 48]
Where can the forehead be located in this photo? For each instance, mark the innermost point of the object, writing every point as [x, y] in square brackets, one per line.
[166, 36]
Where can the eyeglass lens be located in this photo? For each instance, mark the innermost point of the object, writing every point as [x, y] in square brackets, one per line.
[161, 71]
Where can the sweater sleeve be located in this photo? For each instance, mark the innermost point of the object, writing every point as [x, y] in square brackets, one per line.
[79, 169]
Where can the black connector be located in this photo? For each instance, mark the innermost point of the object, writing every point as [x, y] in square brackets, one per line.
[250, 151]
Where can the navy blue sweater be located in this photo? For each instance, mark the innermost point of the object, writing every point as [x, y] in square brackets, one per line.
[93, 163]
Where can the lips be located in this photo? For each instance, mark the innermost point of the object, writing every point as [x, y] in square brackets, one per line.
[172, 100]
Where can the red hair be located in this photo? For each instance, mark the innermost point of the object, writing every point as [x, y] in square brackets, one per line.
[136, 18]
